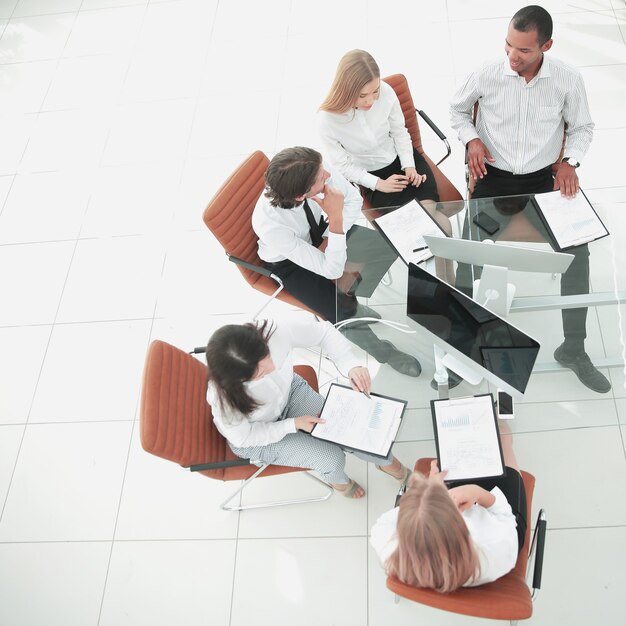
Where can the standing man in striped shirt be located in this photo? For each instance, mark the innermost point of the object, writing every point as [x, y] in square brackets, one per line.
[526, 103]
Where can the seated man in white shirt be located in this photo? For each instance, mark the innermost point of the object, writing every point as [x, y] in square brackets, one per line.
[308, 254]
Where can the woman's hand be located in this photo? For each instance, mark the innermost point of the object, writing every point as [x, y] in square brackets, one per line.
[396, 182]
[414, 178]
[360, 379]
[435, 474]
[466, 496]
[306, 422]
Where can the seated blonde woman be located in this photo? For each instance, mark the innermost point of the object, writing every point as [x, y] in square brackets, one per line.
[363, 133]
[462, 535]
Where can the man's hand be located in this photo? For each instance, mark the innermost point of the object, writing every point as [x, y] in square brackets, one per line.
[415, 179]
[566, 180]
[476, 154]
[396, 182]
[332, 205]
[360, 379]
[306, 422]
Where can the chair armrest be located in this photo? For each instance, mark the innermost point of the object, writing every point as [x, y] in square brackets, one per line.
[218, 465]
[437, 132]
[537, 546]
[251, 266]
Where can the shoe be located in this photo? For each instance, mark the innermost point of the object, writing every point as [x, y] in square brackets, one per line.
[402, 476]
[401, 362]
[586, 371]
[453, 381]
[350, 490]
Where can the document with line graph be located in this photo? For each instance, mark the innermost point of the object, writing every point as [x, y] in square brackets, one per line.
[360, 423]
[467, 437]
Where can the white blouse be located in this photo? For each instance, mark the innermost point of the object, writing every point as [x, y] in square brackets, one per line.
[492, 531]
[358, 142]
[261, 427]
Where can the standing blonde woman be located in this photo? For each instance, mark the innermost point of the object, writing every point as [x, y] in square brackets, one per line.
[363, 131]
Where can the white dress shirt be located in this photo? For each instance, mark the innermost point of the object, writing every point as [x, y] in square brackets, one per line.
[358, 142]
[521, 123]
[284, 233]
[272, 391]
[492, 531]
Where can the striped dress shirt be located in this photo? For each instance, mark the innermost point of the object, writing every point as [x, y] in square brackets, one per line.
[521, 123]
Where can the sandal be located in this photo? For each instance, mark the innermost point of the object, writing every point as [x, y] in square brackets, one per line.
[349, 490]
[402, 475]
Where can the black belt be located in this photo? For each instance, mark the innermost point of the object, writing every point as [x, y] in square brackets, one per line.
[277, 264]
[504, 174]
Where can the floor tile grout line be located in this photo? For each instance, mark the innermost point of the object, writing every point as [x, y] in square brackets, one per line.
[119, 505]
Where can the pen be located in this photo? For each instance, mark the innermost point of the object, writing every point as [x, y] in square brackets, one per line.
[420, 249]
[367, 395]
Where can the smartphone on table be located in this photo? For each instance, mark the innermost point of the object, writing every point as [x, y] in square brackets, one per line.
[486, 222]
[505, 406]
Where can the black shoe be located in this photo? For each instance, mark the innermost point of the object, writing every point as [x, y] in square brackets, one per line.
[453, 381]
[403, 363]
[586, 371]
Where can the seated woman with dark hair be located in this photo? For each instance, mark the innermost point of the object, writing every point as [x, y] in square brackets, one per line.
[265, 410]
[462, 536]
[363, 132]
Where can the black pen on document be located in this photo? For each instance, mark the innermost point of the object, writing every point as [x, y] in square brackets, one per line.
[420, 249]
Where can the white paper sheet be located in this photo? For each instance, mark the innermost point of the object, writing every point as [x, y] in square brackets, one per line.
[405, 228]
[359, 422]
[468, 438]
[572, 220]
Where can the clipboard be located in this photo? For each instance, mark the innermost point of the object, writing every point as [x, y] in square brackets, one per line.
[467, 437]
[396, 236]
[601, 229]
[359, 423]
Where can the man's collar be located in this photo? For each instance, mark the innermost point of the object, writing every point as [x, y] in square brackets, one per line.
[544, 70]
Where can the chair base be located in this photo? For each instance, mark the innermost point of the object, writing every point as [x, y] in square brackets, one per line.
[225, 505]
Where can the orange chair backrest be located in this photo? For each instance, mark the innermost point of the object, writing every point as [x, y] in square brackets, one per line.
[229, 214]
[176, 422]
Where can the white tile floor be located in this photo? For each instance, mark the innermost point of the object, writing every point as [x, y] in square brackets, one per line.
[118, 121]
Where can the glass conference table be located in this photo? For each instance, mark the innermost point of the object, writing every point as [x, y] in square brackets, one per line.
[536, 308]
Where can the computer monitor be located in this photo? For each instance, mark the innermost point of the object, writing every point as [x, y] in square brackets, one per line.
[473, 335]
[493, 289]
[514, 257]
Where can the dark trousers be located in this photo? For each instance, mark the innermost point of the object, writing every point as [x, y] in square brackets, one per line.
[426, 191]
[576, 279]
[320, 294]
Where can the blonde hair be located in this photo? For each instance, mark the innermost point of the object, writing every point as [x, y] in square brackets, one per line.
[434, 546]
[355, 70]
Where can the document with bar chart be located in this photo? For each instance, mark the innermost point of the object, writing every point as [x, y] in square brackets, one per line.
[357, 422]
[467, 438]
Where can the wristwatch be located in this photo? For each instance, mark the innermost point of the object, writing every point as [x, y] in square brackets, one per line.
[570, 161]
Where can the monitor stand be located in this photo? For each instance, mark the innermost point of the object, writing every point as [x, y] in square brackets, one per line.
[490, 288]
[444, 361]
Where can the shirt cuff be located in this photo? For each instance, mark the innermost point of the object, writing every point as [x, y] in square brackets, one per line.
[369, 180]
[467, 135]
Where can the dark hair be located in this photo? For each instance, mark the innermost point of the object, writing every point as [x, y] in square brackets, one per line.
[291, 173]
[536, 18]
[232, 355]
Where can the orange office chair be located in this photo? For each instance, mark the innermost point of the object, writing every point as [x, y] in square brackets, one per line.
[447, 191]
[509, 597]
[176, 423]
[229, 217]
